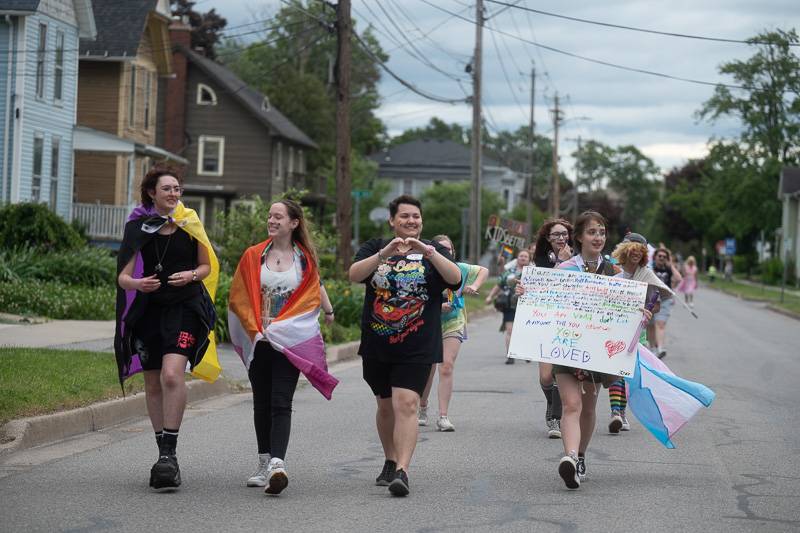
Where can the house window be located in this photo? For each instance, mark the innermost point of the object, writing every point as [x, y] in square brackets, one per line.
[148, 80]
[40, 54]
[206, 95]
[132, 98]
[265, 105]
[58, 89]
[38, 153]
[55, 160]
[217, 209]
[290, 158]
[198, 203]
[408, 186]
[301, 161]
[211, 156]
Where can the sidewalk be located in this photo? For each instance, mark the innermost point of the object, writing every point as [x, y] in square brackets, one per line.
[789, 290]
[98, 336]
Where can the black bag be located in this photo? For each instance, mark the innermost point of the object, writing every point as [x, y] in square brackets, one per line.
[503, 300]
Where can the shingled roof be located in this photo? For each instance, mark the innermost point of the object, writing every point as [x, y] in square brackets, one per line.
[430, 152]
[19, 6]
[120, 28]
[249, 97]
[790, 181]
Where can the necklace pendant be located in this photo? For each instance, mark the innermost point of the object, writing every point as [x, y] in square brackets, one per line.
[159, 268]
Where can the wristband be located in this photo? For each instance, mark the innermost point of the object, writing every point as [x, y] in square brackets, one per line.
[194, 275]
[327, 313]
[380, 257]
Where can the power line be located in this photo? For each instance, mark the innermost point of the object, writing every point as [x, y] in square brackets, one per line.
[459, 57]
[598, 61]
[503, 67]
[409, 85]
[632, 28]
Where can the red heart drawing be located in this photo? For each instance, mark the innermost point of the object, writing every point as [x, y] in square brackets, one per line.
[614, 348]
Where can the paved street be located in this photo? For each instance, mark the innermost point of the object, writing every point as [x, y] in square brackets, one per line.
[733, 469]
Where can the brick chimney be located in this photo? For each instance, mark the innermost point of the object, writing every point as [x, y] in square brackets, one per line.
[175, 115]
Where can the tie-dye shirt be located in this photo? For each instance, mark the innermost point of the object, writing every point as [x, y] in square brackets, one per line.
[456, 319]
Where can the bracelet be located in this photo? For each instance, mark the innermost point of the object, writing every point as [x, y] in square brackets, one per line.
[327, 313]
[380, 257]
[194, 275]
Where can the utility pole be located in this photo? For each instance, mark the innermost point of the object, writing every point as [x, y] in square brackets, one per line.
[475, 200]
[555, 186]
[577, 181]
[529, 189]
[343, 200]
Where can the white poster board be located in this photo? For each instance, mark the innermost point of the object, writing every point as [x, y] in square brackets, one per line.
[578, 319]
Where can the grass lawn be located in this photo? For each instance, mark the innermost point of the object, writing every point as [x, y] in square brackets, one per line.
[36, 381]
[770, 295]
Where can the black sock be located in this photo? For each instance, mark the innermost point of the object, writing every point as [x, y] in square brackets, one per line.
[555, 408]
[582, 454]
[169, 441]
[548, 394]
[159, 436]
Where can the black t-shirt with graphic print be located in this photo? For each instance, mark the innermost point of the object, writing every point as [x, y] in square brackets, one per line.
[402, 318]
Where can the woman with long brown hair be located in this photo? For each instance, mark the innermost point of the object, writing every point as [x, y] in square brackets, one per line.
[273, 315]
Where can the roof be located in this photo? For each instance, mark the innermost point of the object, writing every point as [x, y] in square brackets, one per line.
[19, 6]
[441, 153]
[790, 181]
[251, 99]
[120, 28]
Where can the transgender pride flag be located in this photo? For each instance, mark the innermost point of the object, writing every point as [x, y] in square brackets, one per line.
[294, 332]
[662, 401]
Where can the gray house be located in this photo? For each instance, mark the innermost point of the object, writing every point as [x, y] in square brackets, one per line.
[236, 143]
[789, 194]
[417, 165]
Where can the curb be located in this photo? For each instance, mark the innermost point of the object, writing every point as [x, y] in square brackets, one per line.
[767, 305]
[783, 312]
[26, 433]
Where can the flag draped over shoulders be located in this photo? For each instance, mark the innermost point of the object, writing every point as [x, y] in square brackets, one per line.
[143, 223]
[294, 332]
[662, 401]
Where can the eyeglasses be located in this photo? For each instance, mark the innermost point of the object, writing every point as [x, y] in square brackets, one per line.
[559, 235]
[596, 233]
[176, 190]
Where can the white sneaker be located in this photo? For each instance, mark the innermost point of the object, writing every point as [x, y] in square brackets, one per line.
[422, 416]
[277, 480]
[554, 428]
[443, 424]
[259, 477]
[626, 426]
[616, 422]
[568, 470]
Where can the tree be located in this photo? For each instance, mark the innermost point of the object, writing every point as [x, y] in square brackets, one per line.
[206, 27]
[436, 129]
[768, 102]
[593, 161]
[443, 204]
[293, 66]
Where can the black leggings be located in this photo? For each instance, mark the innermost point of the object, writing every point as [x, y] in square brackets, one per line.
[274, 380]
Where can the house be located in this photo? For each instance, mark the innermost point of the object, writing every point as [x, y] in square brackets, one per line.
[417, 165]
[789, 194]
[38, 90]
[115, 139]
[236, 143]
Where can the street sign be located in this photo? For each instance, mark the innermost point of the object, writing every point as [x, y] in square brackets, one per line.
[360, 193]
[379, 214]
[730, 246]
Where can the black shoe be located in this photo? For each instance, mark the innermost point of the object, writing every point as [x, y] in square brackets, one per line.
[387, 474]
[399, 485]
[662, 354]
[581, 468]
[165, 474]
[509, 361]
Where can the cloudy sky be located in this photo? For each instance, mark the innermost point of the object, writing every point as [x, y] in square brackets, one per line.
[610, 105]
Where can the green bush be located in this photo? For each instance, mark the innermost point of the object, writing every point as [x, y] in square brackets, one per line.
[772, 271]
[347, 300]
[58, 301]
[221, 304]
[89, 266]
[35, 225]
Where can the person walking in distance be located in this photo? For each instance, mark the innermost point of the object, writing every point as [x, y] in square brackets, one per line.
[401, 329]
[688, 285]
[167, 277]
[454, 333]
[504, 298]
[552, 247]
[669, 275]
[273, 310]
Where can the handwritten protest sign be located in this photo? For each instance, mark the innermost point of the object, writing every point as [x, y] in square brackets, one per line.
[577, 319]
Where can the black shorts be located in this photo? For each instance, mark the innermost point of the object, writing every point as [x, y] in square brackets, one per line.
[508, 315]
[167, 329]
[381, 377]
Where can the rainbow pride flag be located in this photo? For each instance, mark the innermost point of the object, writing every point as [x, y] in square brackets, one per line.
[294, 332]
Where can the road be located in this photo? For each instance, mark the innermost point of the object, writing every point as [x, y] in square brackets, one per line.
[732, 469]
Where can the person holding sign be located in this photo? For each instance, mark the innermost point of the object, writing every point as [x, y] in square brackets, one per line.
[579, 387]
[504, 297]
[553, 246]
[454, 332]
[401, 329]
